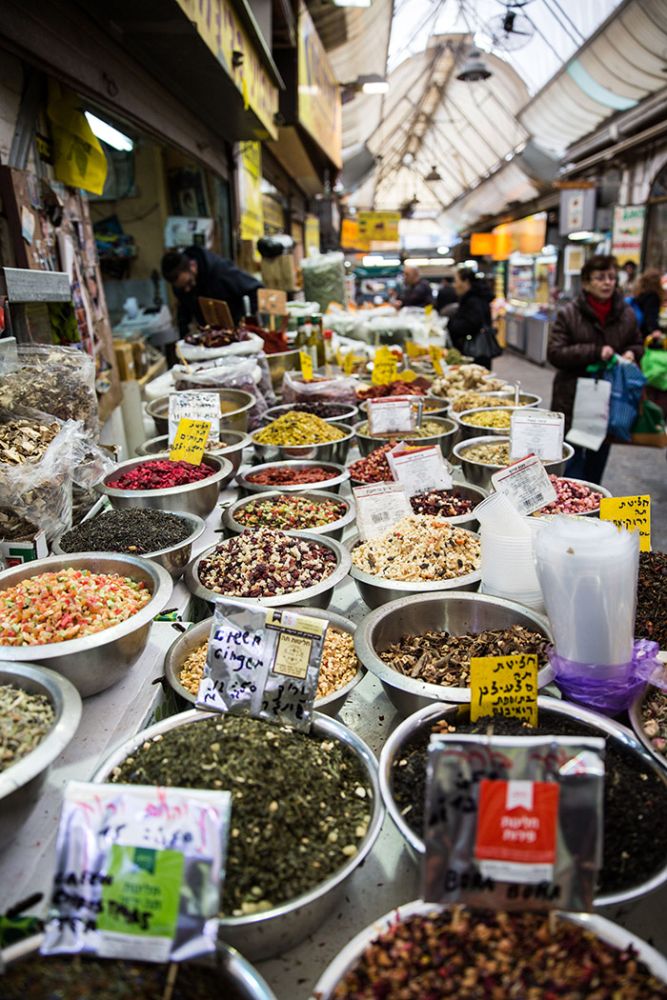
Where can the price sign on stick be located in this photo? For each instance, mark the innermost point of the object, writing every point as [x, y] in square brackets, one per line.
[420, 469]
[504, 685]
[633, 513]
[396, 415]
[195, 406]
[436, 359]
[385, 367]
[190, 441]
[526, 484]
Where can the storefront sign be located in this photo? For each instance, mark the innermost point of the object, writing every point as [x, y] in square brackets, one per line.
[378, 227]
[250, 190]
[526, 235]
[319, 94]
[577, 210]
[628, 233]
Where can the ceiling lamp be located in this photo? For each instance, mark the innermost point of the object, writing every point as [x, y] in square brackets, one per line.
[433, 175]
[371, 83]
[474, 68]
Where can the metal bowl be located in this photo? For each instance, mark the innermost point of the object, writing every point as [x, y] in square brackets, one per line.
[238, 978]
[595, 487]
[376, 591]
[232, 451]
[186, 643]
[193, 498]
[445, 439]
[335, 528]
[604, 929]
[350, 414]
[458, 614]
[525, 398]
[410, 727]
[480, 475]
[474, 493]
[279, 363]
[22, 782]
[262, 935]
[328, 451]
[472, 430]
[318, 596]
[339, 475]
[235, 407]
[635, 714]
[174, 558]
[433, 406]
[94, 662]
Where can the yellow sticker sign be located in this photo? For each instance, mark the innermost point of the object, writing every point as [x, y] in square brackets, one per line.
[505, 686]
[633, 513]
[385, 367]
[306, 366]
[190, 441]
[414, 350]
[407, 375]
[436, 359]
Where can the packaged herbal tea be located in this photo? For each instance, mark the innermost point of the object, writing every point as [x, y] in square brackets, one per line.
[263, 663]
[513, 823]
[139, 872]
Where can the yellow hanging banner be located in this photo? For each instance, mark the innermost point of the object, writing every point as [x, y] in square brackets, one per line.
[78, 158]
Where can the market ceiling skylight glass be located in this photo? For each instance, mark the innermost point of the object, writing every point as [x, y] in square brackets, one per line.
[108, 134]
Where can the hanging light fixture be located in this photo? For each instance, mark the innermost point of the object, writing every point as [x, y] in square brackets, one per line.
[433, 175]
[474, 68]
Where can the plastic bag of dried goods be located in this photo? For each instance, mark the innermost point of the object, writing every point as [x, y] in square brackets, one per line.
[53, 379]
[336, 389]
[324, 278]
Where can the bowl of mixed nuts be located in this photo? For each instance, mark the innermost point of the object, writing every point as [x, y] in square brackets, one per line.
[440, 431]
[318, 511]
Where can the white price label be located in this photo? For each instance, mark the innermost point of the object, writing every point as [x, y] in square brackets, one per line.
[420, 470]
[379, 507]
[397, 415]
[525, 484]
[536, 432]
[194, 406]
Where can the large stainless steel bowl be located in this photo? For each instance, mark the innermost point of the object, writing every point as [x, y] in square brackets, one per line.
[279, 363]
[350, 414]
[174, 558]
[328, 451]
[275, 931]
[376, 591]
[235, 442]
[339, 475]
[318, 596]
[594, 487]
[410, 727]
[469, 430]
[456, 613]
[444, 439]
[22, 782]
[191, 640]
[604, 929]
[94, 662]
[480, 475]
[238, 979]
[235, 407]
[335, 528]
[635, 713]
[433, 406]
[474, 493]
[525, 398]
[193, 498]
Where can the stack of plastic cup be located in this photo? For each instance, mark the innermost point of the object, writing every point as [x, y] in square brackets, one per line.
[508, 562]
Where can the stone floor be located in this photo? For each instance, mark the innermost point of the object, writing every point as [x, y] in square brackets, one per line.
[630, 469]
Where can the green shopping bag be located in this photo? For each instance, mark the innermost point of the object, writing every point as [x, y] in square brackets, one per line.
[654, 367]
[649, 427]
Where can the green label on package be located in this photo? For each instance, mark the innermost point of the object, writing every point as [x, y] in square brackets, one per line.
[143, 895]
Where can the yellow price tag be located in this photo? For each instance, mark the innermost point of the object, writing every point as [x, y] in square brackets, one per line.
[633, 513]
[428, 309]
[436, 359]
[190, 441]
[414, 350]
[340, 359]
[504, 685]
[348, 363]
[306, 366]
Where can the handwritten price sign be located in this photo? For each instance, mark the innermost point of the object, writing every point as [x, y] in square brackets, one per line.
[504, 685]
[633, 513]
[190, 441]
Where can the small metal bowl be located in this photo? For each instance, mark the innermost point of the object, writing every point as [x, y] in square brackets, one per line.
[191, 640]
[594, 487]
[335, 528]
[525, 398]
[328, 451]
[279, 363]
[339, 475]
[350, 414]
[275, 931]
[235, 407]
[474, 493]
[602, 928]
[235, 442]
[456, 613]
[377, 591]
[445, 438]
[94, 662]
[635, 714]
[433, 406]
[479, 474]
[469, 430]
[192, 498]
[318, 596]
[174, 558]
[21, 783]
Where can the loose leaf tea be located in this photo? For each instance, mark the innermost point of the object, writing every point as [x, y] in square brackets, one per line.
[651, 620]
[301, 804]
[25, 719]
[135, 531]
[24, 440]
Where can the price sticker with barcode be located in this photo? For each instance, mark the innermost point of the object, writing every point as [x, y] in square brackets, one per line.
[525, 484]
[536, 432]
[379, 507]
[420, 469]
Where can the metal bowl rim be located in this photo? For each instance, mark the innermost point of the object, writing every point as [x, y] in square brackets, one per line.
[246, 404]
[232, 524]
[635, 714]
[244, 442]
[485, 409]
[197, 523]
[458, 449]
[444, 402]
[342, 475]
[406, 436]
[319, 444]
[280, 409]
[225, 469]
[410, 585]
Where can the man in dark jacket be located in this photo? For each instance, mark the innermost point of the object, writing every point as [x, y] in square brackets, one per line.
[446, 295]
[473, 313]
[597, 325]
[416, 290]
[199, 273]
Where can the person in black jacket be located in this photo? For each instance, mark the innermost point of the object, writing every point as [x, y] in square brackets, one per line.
[446, 295]
[416, 290]
[199, 273]
[649, 296]
[473, 313]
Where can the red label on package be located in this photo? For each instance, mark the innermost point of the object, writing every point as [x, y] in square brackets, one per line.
[517, 830]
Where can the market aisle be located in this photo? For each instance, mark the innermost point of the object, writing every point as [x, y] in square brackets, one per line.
[629, 470]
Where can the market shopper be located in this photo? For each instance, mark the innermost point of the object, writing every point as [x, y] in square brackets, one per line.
[593, 328]
[416, 290]
[472, 317]
[198, 273]
[647, 300]
[446, 295]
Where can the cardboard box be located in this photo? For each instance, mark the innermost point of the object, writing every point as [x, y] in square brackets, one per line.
[17, 553]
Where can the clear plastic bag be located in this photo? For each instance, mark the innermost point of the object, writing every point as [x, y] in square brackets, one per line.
[246, 374]
[324, 278]
[52, 379]
[339, 389]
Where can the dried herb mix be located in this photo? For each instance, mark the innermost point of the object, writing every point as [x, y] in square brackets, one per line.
[635, 797]
[135, 531]
[301, 804]
[24, 440]
[25, 719]
[161, 474]
[651, 619]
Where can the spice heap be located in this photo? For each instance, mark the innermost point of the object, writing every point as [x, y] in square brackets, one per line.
[442, 658]
[25, 440]
[265, 563]
[429, 428]
[161, 474]
[418, 387]
[25, 719]
[496, 419]
[135, 531]
[338, 666]
[476, 400]
[462, 377]
[14, 528]
[215, 336]
[300, 805]
[375, 467]
[67, 604]
[419, 548]
[441, 503]
[651, 619]
[290, 511]
[292, 475]
[326, 411]
[456, 953]
[298, 428]
[635, 796]
[654, 719]
[488, 454]
[571, 498]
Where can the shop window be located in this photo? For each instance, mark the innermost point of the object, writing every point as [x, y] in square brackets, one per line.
[655, 250]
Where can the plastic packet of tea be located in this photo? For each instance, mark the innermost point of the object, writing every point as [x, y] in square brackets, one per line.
[513, 822]
[139, 872]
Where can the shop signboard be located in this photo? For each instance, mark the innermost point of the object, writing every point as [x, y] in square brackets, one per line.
[577, 210]
[250, 190]
[320, 111]
[527, 236]
[378, 227]
[628, 233]
[312, 235]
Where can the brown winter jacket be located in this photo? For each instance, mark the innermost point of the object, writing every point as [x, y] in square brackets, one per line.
[576, 340]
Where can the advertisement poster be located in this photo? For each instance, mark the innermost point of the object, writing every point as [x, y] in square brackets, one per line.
[628, 233]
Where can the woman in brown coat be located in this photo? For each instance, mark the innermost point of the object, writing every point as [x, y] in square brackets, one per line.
[597, 325]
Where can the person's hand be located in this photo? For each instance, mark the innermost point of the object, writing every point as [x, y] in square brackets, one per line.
[628, 355]
[607, 352]
[656, 335]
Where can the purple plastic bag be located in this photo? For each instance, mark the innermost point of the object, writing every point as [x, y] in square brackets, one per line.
[614, 689]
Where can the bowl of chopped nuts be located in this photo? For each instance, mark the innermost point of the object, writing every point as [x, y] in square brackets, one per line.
[318, 511]
[480, 457]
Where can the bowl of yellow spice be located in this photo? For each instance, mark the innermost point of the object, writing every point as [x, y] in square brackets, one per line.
[303, 436]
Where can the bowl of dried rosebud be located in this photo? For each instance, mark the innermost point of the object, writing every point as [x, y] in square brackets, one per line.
[158, 483]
